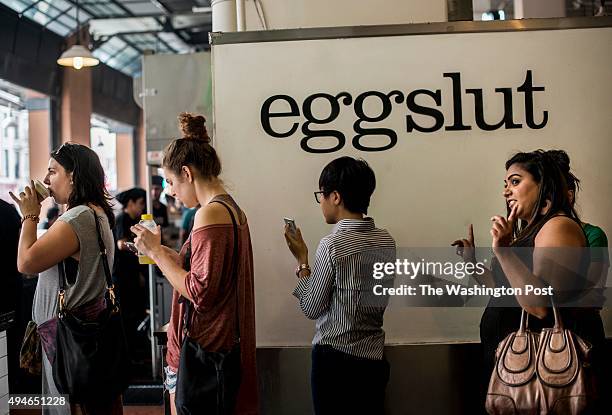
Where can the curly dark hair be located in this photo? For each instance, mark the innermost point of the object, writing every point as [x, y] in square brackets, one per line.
[552, 178]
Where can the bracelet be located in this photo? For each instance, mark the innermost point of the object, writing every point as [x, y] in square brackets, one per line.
[32, 217]
[301, 267]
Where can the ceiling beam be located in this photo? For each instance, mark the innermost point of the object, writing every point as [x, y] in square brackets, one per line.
[131, 14]
[57, 17]
[29, 7]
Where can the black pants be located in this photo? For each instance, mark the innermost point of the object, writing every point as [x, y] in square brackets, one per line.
[345, 384]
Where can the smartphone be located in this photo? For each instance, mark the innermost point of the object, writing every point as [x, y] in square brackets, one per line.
[131, 247]
[291, 223]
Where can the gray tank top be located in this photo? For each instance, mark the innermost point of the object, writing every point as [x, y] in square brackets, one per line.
[90, 281]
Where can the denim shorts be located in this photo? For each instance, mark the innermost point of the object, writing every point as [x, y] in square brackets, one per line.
[170, 381]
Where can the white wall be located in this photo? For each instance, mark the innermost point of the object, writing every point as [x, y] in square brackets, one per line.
[529, 9]
[430, 186]
[174, 83]
[284, 14]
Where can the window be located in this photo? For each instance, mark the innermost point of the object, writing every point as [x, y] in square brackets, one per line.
[10, 131]
[5, 163]
[17, 164]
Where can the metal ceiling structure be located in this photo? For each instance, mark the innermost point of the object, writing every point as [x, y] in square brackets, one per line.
[122, 30]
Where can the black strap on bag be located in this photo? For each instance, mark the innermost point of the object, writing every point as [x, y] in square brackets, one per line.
[110, 288]
[208, 382]
[91, 361]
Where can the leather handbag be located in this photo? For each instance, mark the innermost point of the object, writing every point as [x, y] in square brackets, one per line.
[91, 361]
[208, 382]
[542, 374]
[30, 354]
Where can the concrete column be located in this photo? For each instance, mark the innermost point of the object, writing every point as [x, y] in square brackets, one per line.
[76, 107]
[39, 140]
[240, 16]
[125, 160]
[140, 155]
[39, 131]
[224, 17]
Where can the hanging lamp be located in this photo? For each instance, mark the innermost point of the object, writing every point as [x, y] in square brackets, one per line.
[77, 56]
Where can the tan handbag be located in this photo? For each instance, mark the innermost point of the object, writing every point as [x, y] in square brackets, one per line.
[541, 374]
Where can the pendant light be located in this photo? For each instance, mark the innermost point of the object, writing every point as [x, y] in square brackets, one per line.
[77, 56]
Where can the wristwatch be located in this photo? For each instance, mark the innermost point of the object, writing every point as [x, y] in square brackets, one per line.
[301, 267]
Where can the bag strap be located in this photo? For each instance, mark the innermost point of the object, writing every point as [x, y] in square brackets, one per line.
[110, 288]
[234, 274]
[556, 313]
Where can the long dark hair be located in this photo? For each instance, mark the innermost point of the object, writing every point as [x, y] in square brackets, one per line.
[553, 187]
[87, 177]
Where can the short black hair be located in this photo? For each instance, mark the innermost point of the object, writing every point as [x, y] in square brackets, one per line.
[353, 178]
[132, 194]
[157, 180]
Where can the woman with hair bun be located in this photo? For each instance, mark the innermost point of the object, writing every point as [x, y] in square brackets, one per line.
[540, 243]
[212, 281]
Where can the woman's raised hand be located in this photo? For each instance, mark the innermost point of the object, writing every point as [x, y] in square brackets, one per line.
[465, 247]
[146, 241]
[28, 201]
[502, 229]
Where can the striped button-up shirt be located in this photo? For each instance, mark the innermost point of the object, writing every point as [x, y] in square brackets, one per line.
[339, 292]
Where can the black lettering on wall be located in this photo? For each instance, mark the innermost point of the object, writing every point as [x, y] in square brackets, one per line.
[457, 105]
[419, 109]
[310, 134]
[265, 115]
[529, 89]
[370, 136]
[363, 117]
[479, 110]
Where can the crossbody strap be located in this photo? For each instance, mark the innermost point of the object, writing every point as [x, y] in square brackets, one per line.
[107, 274]
[188, 306]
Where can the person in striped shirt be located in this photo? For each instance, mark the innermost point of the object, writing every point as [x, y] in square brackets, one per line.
[349, 371]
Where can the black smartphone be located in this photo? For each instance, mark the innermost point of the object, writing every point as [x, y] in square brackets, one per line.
[131, 247]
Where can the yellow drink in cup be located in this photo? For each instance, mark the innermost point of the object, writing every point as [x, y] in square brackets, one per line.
[147, 221]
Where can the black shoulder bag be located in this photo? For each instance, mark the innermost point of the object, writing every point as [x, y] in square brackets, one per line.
[208, 382]
[91, 361]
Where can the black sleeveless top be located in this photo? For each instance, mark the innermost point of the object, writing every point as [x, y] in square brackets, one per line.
[498, 321]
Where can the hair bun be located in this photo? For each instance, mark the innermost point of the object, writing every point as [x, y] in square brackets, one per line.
[193, 127]
[561, 158]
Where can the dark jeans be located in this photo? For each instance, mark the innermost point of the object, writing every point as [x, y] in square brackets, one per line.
[345, 384]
